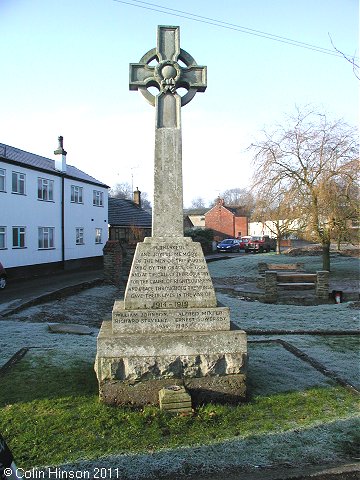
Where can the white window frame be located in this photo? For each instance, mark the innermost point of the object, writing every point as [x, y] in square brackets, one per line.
[45, 189]
[2, 180]
[21, 237]
[98, 236]
[76, 194]
[98, 198]
[79, 236]
[18, 186]
[46, 238]
[2, 238]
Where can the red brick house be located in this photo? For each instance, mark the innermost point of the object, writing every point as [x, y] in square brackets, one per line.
[227, 222]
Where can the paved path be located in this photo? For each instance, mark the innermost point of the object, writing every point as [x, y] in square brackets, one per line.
[23, 293]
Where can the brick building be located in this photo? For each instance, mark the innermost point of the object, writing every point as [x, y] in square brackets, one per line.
[227, 222]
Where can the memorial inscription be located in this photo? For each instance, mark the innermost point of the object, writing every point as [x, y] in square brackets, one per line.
[169, 275]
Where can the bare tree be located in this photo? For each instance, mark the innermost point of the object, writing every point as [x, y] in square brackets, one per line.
[305, 158]
[198, 202]
[238, 197]
[124, 190]
[121, 190]
[277, 209]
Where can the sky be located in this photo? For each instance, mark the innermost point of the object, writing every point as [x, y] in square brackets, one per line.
[65, 71]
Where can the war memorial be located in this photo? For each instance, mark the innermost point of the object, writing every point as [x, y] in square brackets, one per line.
[169, 329]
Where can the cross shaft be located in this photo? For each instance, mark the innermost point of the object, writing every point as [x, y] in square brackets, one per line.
[168, 76]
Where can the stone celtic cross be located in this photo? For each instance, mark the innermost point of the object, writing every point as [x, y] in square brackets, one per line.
[167, 76]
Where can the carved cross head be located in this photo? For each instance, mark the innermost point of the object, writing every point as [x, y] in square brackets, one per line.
[168, 74]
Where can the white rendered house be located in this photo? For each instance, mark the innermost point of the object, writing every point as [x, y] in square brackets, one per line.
[52, 215]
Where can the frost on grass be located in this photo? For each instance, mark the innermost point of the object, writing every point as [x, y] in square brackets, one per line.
[272, 369]
[343, 269]
[339, 354]
[64, 347]
[300, 447]
[261, 316]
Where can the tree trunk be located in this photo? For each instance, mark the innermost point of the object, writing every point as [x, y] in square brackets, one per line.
[278, 243]
[326, 256]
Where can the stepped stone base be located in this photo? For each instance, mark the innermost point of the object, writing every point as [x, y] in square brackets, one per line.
[131, 369]
[170, 329]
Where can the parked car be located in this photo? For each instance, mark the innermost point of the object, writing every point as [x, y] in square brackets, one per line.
[3, 276]
[228, 245]
[244, 241]
[261, 244]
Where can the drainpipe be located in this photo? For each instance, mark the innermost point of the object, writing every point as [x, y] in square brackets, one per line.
[63, 222]
[60, 165]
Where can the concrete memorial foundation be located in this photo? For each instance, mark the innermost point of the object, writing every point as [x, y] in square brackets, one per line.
[169, 329]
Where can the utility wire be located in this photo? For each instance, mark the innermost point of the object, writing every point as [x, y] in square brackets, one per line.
[229, 26]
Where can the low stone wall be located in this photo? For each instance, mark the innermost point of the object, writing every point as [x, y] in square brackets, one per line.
[113, 261]
[117, 262]
[272, 283]
[280, 267]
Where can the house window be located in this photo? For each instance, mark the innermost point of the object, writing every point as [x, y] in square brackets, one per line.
[2, 237]
[98, 198]
[80, 236]
[46, 237]
[18, 235]
[45, 189]
[76, 194]
[98, 235]
[2, 179]
[18, 183]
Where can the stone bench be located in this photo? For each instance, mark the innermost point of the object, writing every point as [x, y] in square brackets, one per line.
[278, 267]
[275, 280]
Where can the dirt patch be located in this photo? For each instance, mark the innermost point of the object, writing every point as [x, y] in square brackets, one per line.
[354, 305]
[310, 250]
[89, 307]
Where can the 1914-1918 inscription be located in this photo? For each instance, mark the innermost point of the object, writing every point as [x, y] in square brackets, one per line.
[170, 320]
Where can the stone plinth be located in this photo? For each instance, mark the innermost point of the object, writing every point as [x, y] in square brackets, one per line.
[170, 328]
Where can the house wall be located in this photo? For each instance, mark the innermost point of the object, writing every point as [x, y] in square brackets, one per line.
[260, 228]
[26, 210]
[225, 224]
[221, 221]
[241, 226]
[87, 216]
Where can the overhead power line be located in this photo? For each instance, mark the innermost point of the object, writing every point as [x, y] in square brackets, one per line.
[230, 26]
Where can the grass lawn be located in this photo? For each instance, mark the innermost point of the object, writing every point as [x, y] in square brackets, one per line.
[50, 413]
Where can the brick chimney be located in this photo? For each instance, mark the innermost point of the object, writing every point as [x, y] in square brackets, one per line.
[220, 202]
[137, 197]
[60, 159]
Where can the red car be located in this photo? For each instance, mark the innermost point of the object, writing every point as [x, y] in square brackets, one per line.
[3, 277]
[244, 241]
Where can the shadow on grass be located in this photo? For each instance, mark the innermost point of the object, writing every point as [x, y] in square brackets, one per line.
[36, 379]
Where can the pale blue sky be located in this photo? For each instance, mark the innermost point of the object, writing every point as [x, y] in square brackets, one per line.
[65, 72]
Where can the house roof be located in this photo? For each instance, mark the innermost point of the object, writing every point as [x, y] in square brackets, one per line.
[196, 211]
[236, 211]
[125, 213]
[37, 162]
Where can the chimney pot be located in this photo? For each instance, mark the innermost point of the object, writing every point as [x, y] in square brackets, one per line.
[137, 197]
[60, 162]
